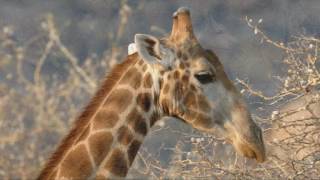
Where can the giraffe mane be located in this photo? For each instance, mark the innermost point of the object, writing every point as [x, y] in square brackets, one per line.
[82, 121]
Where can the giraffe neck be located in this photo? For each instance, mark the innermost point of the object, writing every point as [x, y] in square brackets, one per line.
[108, 134]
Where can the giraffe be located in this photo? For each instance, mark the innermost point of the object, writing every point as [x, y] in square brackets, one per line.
[172, 76]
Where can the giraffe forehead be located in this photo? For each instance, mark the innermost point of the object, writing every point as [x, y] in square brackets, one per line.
[200, 64]
[192, 58]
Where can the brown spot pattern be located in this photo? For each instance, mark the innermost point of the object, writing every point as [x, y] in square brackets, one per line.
[144, 67]
[117, 164]
[156, 100]
[178, 90]
[124, 135]
[100, 144]
[185, 79]
[176, 74]
[119, 100]
[179, 53]
[144, 101]
[137, 122]
[77, 164]
[193, 88]
[160, 83]
[165, 103]
[184, 57]
[105, 119]
[132, 78]
[181, 66]
[154, 118]
[190, 101]
[147, 82]
[84, 134]
[140, 62]
[166, 88]
[133, 149]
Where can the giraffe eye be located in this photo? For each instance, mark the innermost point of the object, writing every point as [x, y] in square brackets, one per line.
[205, 77]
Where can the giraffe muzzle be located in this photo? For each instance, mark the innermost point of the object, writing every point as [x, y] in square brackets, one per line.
[249, 142]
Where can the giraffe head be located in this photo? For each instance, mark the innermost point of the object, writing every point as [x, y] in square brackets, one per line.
[193, 87]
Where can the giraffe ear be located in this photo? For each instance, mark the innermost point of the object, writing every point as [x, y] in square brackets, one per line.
[152, 51]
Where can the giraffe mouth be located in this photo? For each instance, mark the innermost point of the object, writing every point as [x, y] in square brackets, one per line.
[251, 151]
[249, 147]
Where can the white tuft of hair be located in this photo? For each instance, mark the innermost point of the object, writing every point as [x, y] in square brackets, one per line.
[132, 48]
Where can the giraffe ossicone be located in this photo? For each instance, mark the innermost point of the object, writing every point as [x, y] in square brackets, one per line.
[172, 76]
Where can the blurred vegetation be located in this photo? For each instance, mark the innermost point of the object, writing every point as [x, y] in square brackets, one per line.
[44, 82]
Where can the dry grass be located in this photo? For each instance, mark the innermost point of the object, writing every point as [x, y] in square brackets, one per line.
[38, 104]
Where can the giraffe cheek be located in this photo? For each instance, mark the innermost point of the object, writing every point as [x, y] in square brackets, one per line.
[203, 104]
[190, 101]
